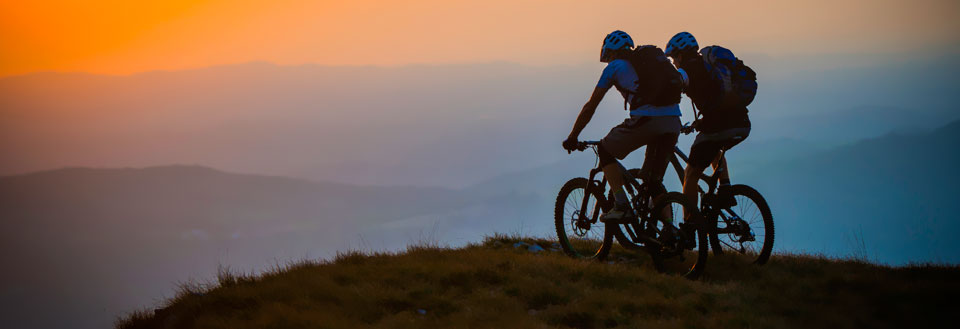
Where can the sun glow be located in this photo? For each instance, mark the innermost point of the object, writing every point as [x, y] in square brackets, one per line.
[119, 37]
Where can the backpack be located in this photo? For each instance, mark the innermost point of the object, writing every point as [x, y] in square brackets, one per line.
[738, 82]
[659, 82]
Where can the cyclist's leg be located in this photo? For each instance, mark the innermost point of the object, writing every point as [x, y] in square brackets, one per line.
[721, 161]
[656, 160]
[620, 141]
[611, 170]
[704, 150]
[690, 187]
[732, 138]
[632, 134]
[655, 164]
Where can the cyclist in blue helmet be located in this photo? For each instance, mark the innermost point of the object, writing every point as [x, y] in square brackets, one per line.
[656, 126]
[723, 125]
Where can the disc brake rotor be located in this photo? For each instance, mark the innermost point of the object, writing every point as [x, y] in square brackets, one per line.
[580, 227]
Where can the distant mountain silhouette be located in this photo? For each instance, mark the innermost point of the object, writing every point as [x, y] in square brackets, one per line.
[447, 125]
[105, 240]
[439, 125]
[898, 191]
[175, 198]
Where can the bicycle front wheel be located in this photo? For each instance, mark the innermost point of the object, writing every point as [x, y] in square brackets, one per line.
[579, 232]
[745, 228]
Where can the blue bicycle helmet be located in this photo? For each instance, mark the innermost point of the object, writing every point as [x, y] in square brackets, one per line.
[616, 40]
[680, 42]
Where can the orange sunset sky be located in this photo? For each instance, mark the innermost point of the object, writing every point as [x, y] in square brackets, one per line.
[123, 37]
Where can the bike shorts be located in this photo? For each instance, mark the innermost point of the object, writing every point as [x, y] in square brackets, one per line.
[635, 132]
[707, 146]
[658, 133]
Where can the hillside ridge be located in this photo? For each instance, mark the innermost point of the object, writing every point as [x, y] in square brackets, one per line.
[504, 282]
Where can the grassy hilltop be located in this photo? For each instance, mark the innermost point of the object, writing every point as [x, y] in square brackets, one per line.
[498, 284]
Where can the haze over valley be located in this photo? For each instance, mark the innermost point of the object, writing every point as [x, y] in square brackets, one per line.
[445, 126]
[117, 188]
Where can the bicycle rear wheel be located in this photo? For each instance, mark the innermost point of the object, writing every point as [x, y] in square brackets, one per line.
[669, 256]
[685, 255]
[581, 237]
[745, 228]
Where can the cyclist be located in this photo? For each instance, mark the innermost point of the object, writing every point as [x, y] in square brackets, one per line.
[724, 124]
[656, 126]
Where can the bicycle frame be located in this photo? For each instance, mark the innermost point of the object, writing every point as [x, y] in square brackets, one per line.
[629, 180]
[712, 182]
[711, 179]
[628, 185]
[675, 160]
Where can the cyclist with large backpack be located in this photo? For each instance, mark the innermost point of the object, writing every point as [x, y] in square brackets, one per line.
[720, 86]
[651, 89]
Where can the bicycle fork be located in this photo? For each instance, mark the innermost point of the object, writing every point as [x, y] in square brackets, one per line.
[586, 198]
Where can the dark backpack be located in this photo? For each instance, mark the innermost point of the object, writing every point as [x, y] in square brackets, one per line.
[738, 82]
[659, 82]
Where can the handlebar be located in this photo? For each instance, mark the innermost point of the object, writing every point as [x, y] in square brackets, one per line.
[583, 145]
[686, 129]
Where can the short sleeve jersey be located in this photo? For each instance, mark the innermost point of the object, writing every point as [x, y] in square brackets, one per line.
[621, 74]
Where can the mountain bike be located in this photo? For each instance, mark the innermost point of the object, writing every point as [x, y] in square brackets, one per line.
[738, 219]
[581, 201]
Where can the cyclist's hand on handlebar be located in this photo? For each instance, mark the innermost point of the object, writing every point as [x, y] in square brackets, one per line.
[570, 144]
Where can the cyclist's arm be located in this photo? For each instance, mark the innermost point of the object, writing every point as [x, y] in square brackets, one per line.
[587, 112]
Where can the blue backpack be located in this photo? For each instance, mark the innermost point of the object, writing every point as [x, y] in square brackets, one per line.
[738, 82]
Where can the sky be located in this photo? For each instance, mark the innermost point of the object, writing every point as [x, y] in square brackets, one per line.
[124, 37]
